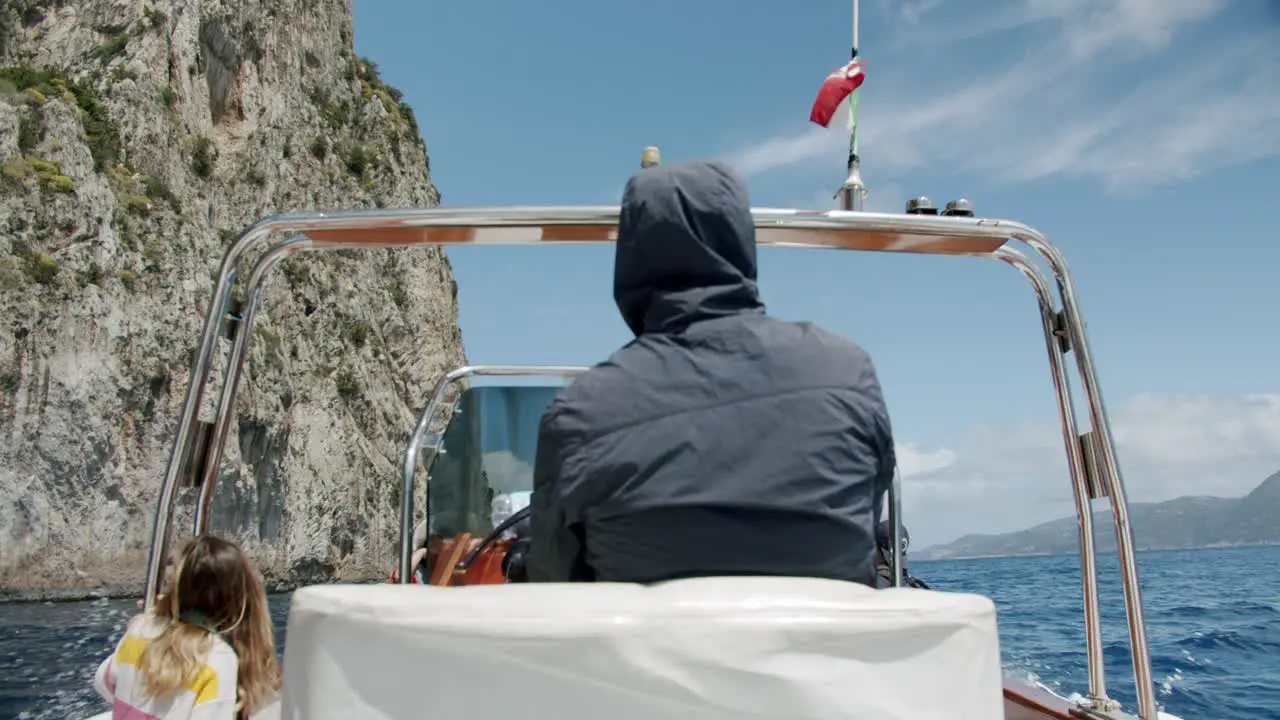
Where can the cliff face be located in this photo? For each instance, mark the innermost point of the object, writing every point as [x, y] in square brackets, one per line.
[137, 140]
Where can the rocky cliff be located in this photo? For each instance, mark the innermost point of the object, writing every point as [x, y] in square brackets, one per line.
[137, 140]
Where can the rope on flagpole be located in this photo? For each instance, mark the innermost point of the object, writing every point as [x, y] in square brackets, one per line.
[853, 99]
[853, 191]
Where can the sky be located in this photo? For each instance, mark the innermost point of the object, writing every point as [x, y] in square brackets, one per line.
[1142, 135]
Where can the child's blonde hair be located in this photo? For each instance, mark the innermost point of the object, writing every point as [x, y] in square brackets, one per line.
[214, 588]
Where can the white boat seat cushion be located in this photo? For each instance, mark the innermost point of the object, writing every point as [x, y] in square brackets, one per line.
[701, 649]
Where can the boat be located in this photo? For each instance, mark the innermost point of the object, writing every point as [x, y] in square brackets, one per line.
[453, 638]
[460, 641]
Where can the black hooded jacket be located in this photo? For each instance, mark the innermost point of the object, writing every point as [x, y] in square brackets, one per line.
[720, 441]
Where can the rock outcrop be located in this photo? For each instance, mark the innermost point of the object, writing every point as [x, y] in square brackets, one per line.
[138, 139]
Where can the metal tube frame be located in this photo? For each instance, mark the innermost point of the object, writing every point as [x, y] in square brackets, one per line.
[281, 235]
[1110, 469]
[422, 435]
[231, 384]
[1097, 694]
[895, 529]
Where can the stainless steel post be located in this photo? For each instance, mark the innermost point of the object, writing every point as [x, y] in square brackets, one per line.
[1079, 483]
[1140, 652]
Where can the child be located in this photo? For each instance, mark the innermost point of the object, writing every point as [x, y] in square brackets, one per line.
[206, 652]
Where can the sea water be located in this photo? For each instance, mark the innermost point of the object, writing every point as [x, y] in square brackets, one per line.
[1213, 624]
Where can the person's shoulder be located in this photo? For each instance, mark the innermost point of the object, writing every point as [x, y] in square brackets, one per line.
[220, 646]
[606, 376]
[825, 357]
[146, 625]
[222, 657]
[811, 337]
[592, 397]
[217, 680]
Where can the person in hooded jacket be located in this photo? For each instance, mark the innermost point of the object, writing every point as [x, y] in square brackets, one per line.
[720, 441]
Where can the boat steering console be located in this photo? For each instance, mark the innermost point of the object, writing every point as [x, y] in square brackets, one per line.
[517, 548]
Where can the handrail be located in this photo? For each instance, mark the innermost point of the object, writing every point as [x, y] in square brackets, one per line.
[1073, 319]
[239, 353]
[895, 529]
[1075, 463]
[414, 450]
[920, 234]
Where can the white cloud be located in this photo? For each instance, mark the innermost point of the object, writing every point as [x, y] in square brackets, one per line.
[1168, 446]
[790, 149]
[914, 460]
[913, 11]
[1105, 90]
[1087, 27]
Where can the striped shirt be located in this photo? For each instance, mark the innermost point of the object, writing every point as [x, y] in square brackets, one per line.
[210, 695]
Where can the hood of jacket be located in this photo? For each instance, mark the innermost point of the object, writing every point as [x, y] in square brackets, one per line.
[686, 249]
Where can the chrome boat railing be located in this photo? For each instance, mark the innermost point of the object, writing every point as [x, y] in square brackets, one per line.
[1091, 456]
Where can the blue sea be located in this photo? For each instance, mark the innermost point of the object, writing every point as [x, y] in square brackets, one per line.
[1213, 621]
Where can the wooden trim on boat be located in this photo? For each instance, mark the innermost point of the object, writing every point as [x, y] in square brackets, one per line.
[1024, 702]
[443, 573]
[532, 231]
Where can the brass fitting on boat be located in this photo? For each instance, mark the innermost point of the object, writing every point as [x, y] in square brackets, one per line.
[650, 157]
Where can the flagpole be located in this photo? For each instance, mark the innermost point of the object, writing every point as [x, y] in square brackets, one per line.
[852, 192]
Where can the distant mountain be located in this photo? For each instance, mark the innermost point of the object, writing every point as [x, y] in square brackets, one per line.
[1185, 522]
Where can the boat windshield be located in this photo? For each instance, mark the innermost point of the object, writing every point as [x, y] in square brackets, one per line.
[487, 452]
